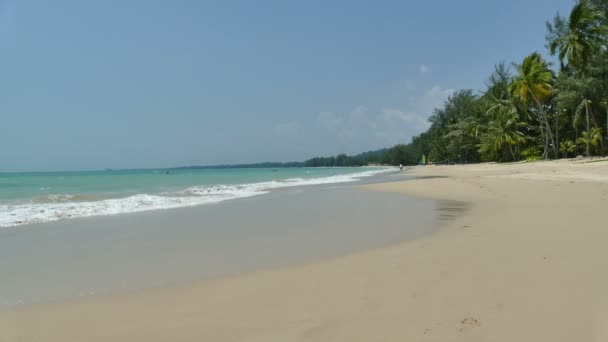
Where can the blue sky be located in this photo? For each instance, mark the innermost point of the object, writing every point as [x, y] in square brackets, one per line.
[126, 84]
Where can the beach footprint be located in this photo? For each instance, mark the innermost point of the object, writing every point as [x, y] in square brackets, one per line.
[469, 323]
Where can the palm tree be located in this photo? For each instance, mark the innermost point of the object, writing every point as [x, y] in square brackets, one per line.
[583, 31]
[504, 130]
[586, 104]
[578, 113]
[464, 136]
[567, 146]
[577, 40]
[596, 136]
[590, 138]
[533, 84]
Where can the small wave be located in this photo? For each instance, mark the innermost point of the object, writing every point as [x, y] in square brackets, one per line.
[59, 207]
[58, 198]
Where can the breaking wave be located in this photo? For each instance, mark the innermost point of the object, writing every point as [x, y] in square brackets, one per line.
[65, 206]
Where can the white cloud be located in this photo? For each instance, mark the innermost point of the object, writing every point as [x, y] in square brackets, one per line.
[364, 129]
[329, 119]
[345, 126]
[424, 69]
[360, 129]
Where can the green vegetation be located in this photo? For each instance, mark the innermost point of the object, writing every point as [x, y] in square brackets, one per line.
[528, 111]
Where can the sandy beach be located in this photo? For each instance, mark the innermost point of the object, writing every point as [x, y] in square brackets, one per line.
[526, 262]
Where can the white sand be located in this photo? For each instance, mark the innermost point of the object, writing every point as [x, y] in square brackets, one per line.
[527, 262]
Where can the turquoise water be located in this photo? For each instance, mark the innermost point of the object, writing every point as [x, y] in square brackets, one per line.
[47, 196]
[27, 186]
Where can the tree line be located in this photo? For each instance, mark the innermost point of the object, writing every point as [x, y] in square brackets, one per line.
[529, 111]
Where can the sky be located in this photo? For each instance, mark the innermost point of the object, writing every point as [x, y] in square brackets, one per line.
[88, 85]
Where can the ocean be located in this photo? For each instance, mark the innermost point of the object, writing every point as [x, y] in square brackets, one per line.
[36, 197]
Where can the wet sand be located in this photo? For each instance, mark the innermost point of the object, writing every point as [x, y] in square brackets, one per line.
[101, 255]
[526, 261]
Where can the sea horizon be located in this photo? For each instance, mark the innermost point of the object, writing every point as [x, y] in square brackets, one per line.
[195, 167]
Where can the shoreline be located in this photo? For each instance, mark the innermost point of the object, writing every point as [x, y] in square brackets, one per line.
[526, 262]
[52, 205]
[124, 253]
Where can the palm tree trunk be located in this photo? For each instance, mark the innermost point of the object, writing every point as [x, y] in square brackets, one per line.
[546, 148]
[511, 150]
[544, 135]
[576, 141]
[547, 126]
[587, 149]
[550, 136]
[606, 119]
[606, 104]
[556, 134]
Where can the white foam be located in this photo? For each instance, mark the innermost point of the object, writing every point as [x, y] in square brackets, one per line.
[60, 208]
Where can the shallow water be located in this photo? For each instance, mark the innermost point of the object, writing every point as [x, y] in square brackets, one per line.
[65, 259]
